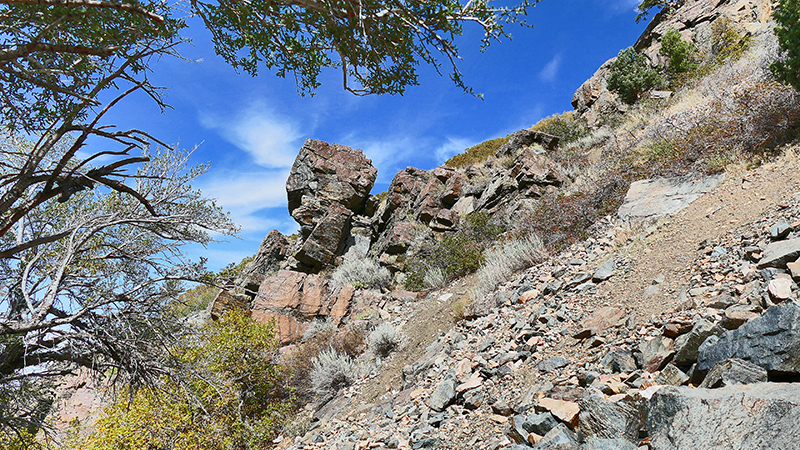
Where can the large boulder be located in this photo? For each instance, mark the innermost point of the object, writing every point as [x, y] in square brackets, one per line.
[328, 174]
[742, 417]
[771, 341]
[273, 251]
[326, 241]
[531, 169]
[779, 254]
[525, 138]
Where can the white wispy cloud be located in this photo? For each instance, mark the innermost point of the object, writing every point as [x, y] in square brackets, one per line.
[271, 140]
[549, 72]
[452, 147]
[245, 194]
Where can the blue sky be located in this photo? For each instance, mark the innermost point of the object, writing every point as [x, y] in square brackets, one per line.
[250, 129]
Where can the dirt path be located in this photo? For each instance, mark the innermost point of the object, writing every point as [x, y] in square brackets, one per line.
[741, 198]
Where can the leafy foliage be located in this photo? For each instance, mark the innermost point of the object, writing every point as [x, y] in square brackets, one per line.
[679, 52]
[647, 5]
[377, 45]
[478, 153]
[631, 75]
[233, 400]
[568, 126]
[787, 15]
[456, 254]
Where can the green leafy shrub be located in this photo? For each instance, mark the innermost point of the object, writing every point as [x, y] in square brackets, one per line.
[631, 75]
[679, 52]
[478, 153]
[235, 399]
[568, 126]
[787, 69]
[456, 254]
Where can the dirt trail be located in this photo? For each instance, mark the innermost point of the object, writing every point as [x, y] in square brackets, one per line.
[741, 198]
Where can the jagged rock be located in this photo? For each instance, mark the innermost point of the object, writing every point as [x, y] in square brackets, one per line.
[559, 437]
[619, 360]
[325, 242]
[428, 208]
[744, 417]
[771, 341]
[358, 242]
[445, 220]
[780, 230]
[600, 320]
[731, 372]
[564, 410]
[540, 423]
[605, 271]
[443, 395]
[225, 301]
[273, 251]
[531, 169]
[603, 419]
[672, 375]
[650, 199]
[465, 205]
[778, 254]
[453, 190]
[794, 269]
[736, 316]
[551, 364]
[496, 191]
[525, 138]
[331, 173]
[687, 345]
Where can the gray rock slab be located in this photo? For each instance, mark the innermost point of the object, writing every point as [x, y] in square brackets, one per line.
[443, 395]
[771, 341]
[732, 372]
[605, 271]
[561, 436]
[608, 444]
[672, 375]
[603, 419]
[779, 253]
[744, 417]
[687, 345]
[658, 197]
[550, 364]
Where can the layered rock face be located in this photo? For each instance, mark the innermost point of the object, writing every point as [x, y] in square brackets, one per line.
[328, 185]
[694, 19]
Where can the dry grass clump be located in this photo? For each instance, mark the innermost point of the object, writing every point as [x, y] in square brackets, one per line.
[361, 273]
[477, 154]
[384, 339]
[506, 258]
[332, 371]
[321, 337]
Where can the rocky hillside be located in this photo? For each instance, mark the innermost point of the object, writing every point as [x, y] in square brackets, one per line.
[637, 269]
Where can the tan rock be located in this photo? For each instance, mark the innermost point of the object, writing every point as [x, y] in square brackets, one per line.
[342, 305]
[780, 287]
[565, 411]
[794, 268]
[287, 328]
[469, 385]
[225, 301]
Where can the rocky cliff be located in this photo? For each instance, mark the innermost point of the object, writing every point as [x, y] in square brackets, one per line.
[670, 323]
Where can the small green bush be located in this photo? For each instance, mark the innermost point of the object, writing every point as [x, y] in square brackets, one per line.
[787, 69]
[568, 126]
[681, 54]
[646, 5]
[631, 75]
[455, 255]
[478, 153]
